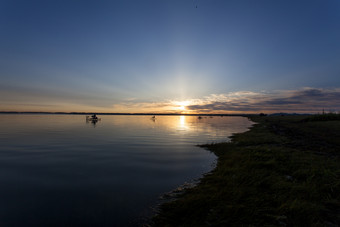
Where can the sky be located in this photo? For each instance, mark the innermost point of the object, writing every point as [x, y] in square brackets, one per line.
[170, 56]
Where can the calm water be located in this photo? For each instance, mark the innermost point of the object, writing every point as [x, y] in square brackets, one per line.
[58, 170]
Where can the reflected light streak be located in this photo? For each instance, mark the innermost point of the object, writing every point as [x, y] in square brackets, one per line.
[183, 123]
[182, 120]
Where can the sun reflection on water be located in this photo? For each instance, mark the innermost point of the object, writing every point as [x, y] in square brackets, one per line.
[204, 128]
[182, 124]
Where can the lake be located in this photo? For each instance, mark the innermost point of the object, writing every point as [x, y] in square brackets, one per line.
[59, 170]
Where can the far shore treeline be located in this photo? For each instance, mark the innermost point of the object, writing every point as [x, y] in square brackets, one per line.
[157, 114]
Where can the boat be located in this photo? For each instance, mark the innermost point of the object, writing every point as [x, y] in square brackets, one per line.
[93, 118]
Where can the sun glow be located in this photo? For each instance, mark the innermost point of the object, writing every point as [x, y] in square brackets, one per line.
[181, 106]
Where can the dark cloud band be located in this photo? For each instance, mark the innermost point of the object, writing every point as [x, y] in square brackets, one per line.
[304, 100]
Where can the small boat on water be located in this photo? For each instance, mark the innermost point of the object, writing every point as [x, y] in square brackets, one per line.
[92, 118]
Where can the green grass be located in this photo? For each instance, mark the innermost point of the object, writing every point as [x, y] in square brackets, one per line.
[284, 171]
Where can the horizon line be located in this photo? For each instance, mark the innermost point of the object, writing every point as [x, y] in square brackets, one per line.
[160, 114]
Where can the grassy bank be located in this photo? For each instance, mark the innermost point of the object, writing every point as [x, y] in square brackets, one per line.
[284, 171]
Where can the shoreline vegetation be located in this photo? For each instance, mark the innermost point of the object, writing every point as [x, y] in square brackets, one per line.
[284, 171]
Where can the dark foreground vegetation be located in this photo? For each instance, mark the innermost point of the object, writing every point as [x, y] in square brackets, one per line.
[285, 171]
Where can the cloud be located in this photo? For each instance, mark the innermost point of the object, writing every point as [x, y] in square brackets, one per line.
[302, 100]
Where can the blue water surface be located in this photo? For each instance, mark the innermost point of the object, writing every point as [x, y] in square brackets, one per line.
[61, 170]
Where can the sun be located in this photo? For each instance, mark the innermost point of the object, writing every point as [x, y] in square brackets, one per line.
[181, 106]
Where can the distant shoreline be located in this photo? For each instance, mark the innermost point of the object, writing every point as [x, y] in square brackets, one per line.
[145, 114]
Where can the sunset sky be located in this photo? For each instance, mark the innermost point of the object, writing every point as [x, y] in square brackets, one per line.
[183, 56]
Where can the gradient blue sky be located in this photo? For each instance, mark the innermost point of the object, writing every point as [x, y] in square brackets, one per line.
[170, 56]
